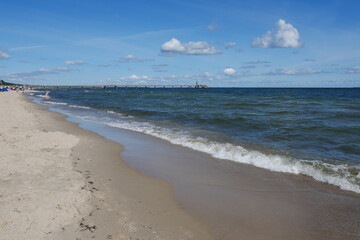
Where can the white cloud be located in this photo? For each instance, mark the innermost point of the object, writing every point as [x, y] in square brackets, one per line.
[43, 70]
[132, 58]
[135, 77]
[129, 57]
[230, 71]
[207, 78]
[34, 75]
[355, 69]
[284, 36]
[286, 71]
[169, 79]
[4, 55]
[212, 27]
[76, 62]
[174, 47]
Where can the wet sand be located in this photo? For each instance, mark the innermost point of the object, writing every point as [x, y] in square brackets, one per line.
[239, 201]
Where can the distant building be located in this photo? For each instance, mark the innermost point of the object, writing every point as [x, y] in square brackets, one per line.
[200, 86]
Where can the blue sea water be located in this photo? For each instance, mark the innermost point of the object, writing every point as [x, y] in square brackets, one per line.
[314, 132]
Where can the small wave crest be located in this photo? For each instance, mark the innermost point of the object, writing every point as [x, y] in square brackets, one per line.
[342, 175]
[56, 103]
[121, 114]
[113, 112]
[42, 96]
[76, 106]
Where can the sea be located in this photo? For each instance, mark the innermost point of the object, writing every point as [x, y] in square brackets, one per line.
[308, 131]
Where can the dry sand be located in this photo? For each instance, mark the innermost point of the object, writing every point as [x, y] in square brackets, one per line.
[58, 181]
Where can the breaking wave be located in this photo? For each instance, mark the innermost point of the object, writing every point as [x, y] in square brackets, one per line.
[345, 176]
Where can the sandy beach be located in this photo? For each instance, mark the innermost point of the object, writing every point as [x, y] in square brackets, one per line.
[180, 120]
[67, 180]
[58, 181]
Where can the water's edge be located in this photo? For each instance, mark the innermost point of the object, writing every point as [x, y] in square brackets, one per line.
[344, 175]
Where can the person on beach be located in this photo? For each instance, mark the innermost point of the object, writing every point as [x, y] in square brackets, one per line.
[47, 97]
[4, 89]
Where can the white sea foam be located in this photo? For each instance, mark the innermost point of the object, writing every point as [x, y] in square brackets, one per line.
[76, 106]
[117, 113]
[113, 112]
[337, 175]
[42, 96]
[56, 103]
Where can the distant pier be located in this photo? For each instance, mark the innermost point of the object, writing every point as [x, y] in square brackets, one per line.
[121, 86]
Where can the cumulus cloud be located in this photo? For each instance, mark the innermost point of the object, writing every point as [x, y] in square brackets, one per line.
[230, 71]
[355, 69]
[303, 71]
[4, 55]
[174, 47]
[76, 62]
[284, 36]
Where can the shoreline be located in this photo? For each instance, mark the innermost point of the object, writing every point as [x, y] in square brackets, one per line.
[323, 162]
[121, 202]
[236, 199]
[201, 197]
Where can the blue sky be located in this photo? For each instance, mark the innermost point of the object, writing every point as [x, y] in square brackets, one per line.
[226, 43]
